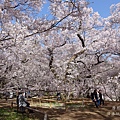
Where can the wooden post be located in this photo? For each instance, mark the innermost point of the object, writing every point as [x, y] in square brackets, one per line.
[40, 101]
[65, 105]
[17, 101]
[11, 104]
[45, 116]
[50, 104]
[32, 101]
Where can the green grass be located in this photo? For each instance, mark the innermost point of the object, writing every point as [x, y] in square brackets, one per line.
[9, 114]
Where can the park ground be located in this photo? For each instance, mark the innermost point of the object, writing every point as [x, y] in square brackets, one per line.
[110, 111]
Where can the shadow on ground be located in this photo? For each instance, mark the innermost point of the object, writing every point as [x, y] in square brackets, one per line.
[110, 111]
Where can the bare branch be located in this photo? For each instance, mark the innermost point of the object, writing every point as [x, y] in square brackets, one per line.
[81, 39]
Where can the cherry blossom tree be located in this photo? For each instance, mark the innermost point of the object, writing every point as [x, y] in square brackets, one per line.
[74, 50]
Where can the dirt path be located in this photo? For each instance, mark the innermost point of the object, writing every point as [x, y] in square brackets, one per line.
[88, 114]
[110, 111]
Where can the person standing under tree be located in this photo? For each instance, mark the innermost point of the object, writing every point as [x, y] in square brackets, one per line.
[22, 102]
[58, 96]
[96, 98]
[101, 98]
[6, 95]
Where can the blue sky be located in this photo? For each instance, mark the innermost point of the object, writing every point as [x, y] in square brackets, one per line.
[100, 6]
[103, 6]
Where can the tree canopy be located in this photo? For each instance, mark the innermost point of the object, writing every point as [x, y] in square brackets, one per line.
[72, 48]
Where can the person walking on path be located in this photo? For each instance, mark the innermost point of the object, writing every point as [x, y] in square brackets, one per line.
[101, 98]
[96, 98]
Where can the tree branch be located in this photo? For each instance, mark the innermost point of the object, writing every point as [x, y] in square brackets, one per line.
[81, 39]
